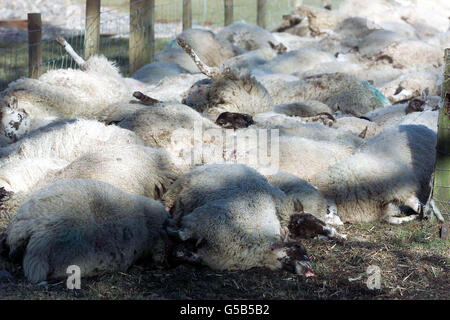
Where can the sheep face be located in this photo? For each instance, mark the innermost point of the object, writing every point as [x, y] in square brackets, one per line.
[292, 257]
[232, 120]
[14, 122]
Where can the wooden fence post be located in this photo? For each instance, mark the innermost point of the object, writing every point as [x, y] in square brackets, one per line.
[261, 13]
[92, 30]
[34, 44]
[142, 33]
[228, 12]
[441, 192]
[187, 14]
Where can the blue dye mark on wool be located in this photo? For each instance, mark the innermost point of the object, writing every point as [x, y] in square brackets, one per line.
[385, 101]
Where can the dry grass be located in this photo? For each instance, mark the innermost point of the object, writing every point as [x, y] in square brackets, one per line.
[414, 264]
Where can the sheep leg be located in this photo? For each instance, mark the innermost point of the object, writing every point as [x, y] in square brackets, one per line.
[181, 254]
[400, 220]
[79, 60]
[324, 117]
[212, 72]
[430, 207]
[306, 225]
[179, 235]
[415, 204]
[332, 214]
[148, 101]
[436, 211]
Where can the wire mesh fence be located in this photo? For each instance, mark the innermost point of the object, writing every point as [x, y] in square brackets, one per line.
[114, 40]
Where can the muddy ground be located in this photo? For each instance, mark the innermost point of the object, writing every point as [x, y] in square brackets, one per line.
[414, 264]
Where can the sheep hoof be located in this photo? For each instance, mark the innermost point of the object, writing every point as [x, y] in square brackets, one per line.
[183, 255]
[174, 233]
[400, 220]
[284, 234]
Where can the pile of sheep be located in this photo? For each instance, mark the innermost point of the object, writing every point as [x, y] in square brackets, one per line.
[98, 170]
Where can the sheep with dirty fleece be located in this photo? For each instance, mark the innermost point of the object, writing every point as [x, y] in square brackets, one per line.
[156, 71]
[212, 49]
[412, 85]
[391, 170]
[69, 93]
[299, 60]
[132, 168]
[298, 155]
[230, 90]
[135, 169]
[299, 190]
[169, 126]
[67, 139]
[269, 119]
[234, 91]
[86, 223]
[337, 90]
[360, 127]
[51, 148]
[248, 37]
[404, 113]
[231, 211]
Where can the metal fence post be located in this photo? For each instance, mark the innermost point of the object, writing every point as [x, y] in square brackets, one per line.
[34, 44]
[92, 30]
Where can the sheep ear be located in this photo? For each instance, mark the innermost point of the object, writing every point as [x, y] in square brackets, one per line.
[425, 93]
[279, 48]
[13, 102]
[363, 133]
[284, 234]
[298, 207]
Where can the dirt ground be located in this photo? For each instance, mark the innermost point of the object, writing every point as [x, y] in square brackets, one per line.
[414, 264]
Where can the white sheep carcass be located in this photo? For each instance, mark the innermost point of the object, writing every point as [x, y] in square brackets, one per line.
[135, 169]
[390, 170]
[85, 223]
[212, 49]
[67, 93]
[67, 139]
[156, 71]
[231, 211]
[299, 191]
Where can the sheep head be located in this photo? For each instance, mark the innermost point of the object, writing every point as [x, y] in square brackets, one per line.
[229, 90]
[14, 122]
[291, 257]
[232, 120]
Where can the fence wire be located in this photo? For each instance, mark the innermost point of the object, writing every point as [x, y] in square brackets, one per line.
[115, 31]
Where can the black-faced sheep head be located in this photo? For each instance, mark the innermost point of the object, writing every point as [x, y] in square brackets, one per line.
[293, 258]
[233, 120]
[278, 48]
[14, 122]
